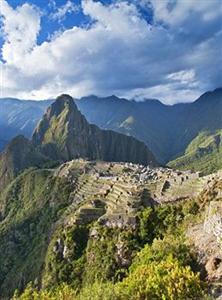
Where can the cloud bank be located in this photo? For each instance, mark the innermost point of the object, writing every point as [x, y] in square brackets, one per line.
[174, 57]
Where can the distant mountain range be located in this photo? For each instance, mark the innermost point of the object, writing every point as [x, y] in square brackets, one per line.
[166, 130]
[19, 117]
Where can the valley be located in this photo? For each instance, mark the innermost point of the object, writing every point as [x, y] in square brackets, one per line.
[74, 192]
[110, 150]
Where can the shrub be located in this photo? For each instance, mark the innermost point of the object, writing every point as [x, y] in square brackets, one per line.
[166, 280]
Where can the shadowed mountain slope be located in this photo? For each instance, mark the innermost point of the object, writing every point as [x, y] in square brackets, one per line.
[18, 155]
[166, 130]
[204, 153]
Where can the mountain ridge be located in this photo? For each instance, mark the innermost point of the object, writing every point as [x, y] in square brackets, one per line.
[56, 224]
[165, 129]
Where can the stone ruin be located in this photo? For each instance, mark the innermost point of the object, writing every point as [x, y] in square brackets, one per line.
[120, 187]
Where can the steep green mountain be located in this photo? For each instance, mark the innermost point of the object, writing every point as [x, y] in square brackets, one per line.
[29, 207]
[203, 154]
[65, 134]
[106, 230]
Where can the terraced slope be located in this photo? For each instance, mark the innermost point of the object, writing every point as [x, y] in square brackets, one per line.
[113, 193]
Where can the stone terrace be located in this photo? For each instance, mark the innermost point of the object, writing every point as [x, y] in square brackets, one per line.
[113, 192]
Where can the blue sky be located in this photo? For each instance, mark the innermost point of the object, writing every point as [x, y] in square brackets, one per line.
[49, 25]
[70, 19]
[138, 49]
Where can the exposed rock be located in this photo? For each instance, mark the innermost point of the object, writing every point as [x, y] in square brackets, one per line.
[59, 246]
[123, 255]
[119, 221]
[214, 268]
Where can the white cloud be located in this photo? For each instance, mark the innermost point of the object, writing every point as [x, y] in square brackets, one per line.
[20, 30]
[185, 76]
[163, 92]
[177, 11]
[60, 12]
[118, 54]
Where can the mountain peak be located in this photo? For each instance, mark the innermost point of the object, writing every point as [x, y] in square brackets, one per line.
[65, 99]
[62, 102]
[18, 140]
[56, 124]
[65, 133]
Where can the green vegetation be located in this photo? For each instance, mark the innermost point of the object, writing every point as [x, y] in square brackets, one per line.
[66, 266]
[52, 252]
[203, 154]
[53, 241]
[64, 134]
[29, 208]
[123, 264]
[166, 136]
[164, 280]
[58, 129]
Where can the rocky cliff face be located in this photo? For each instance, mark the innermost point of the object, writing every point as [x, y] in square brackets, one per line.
[64, 134]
